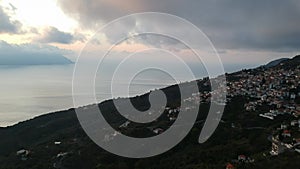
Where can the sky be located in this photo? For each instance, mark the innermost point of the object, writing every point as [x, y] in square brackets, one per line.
[243, 32]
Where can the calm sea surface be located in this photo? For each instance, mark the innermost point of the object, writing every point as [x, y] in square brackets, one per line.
[29, 91]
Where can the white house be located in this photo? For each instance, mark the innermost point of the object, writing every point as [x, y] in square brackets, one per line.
[293, 96]
[22, 152]
[283, 126]
[124, 125]
[61, 155]
[158, 131]
[294, 123]
[57, 142]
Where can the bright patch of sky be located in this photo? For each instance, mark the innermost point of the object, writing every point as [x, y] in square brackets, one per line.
[39, 13]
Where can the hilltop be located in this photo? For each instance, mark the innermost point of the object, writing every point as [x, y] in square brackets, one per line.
[275, 62]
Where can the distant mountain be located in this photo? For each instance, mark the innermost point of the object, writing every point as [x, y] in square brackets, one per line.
[31, 54]
[34, 59]
[275, 62]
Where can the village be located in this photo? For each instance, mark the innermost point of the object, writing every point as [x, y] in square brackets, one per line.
[279, 91]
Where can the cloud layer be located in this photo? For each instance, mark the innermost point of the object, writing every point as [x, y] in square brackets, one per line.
[53, 35]
[230, 24]
[7, 25]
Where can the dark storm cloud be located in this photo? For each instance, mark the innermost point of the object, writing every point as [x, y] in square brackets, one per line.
[95, 12]
[7, 25]
[230, 24]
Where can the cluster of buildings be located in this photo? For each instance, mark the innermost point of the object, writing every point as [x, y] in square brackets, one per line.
[277, 88]
[240, 159]
[279, 91]
[286, 138]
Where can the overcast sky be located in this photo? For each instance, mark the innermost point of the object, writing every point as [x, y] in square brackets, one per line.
[242, 31]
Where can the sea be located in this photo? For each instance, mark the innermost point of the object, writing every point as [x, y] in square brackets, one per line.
[30, 91]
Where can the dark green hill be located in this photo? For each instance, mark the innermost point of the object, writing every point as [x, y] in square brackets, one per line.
[275, 62]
